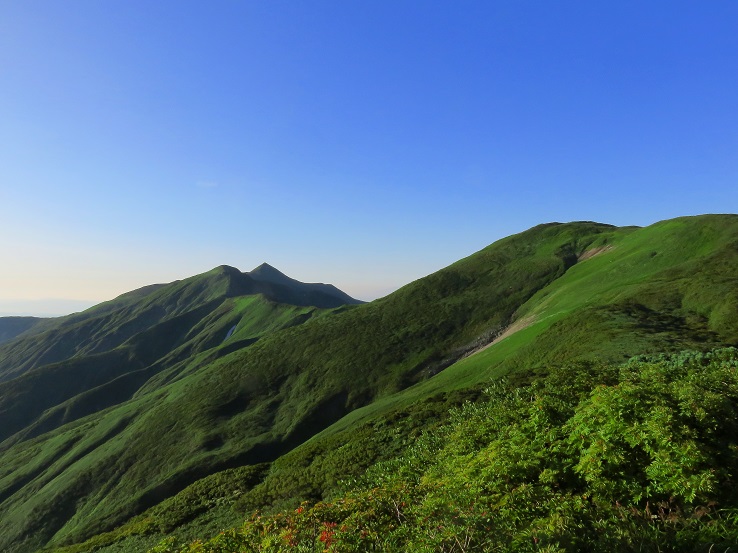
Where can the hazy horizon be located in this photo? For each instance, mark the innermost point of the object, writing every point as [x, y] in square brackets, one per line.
[56, 307]
[361, 144]
[47, 307]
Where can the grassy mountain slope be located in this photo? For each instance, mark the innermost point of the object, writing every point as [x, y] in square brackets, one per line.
[11, 327]
[590, 457]
[666, 287]
[255, 404]
[662, 288]
[258, 403]
[72, 368]
[110, 324]
[90, 361]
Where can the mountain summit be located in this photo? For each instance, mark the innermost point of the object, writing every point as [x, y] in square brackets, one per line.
[301, 293]
[78, 364]
[269, 273]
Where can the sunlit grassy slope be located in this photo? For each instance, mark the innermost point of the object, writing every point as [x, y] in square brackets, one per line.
[666, 287]
[70, 371]
[663, 288]
[97, 359]
[592, 457]
[385, 369]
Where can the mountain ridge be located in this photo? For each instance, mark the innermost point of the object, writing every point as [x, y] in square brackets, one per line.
[670, 285]
[130, 340]
[13, 326]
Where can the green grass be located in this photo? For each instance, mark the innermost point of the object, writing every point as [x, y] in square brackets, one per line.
[12, 327]
[144, 340]
[590, 457]
[340, 373]
[581, 315]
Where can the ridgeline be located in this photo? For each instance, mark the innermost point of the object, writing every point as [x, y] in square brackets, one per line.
[176, 411]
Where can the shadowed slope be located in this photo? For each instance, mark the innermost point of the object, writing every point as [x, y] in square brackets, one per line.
[11, 327]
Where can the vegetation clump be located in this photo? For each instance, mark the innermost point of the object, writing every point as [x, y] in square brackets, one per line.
[590, 457]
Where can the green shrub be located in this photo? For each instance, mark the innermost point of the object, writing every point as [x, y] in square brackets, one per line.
[589, 458]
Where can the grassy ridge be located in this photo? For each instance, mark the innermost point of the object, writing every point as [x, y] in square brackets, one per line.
[666, 287]
[256, 404]
[11, 327]
[108, 355]
[107, 370]
[579, 315]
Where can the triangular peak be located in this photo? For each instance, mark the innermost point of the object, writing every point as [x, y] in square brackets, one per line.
[265, 267]
[269, 273]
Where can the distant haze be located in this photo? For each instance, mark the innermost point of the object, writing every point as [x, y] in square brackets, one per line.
[110, 286]
[42, 308]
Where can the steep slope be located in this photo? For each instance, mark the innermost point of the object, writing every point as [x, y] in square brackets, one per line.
[11, 327]
[63, 369]
[255, 404]
[110, 324]
[687, 266]
[300, 293]
[663, 288]
[667, 287]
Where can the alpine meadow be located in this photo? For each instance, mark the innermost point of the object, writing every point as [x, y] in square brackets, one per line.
[573, 387]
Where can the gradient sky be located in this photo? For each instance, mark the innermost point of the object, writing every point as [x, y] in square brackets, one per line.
[363, 143]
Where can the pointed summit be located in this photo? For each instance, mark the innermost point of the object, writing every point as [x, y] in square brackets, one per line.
[265, 267]
[288, 290]
[266, 272]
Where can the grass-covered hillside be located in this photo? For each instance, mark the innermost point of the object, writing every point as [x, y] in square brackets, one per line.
[220, 431]
[56, 372]
[60, 370]
[590, 457]
[10, 327]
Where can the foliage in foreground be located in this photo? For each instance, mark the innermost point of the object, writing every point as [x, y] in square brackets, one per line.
[589, 458]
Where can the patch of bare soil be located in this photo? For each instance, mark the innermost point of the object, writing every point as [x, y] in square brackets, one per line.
[510, 329]
[594, 251]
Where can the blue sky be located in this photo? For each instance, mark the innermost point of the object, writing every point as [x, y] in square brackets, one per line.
[365, 144]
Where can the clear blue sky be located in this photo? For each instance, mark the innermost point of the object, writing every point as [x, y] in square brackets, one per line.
[363, 143]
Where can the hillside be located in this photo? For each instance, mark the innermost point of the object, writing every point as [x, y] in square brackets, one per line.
[64, 369]
[554, 294]
[10, 327]
[588, 458]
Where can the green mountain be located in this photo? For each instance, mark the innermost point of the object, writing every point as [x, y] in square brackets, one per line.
[139, 418]
[63, 369]
[299, 293]
[10, 327]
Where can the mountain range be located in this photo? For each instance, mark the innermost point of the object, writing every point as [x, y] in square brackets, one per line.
[178, 409]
